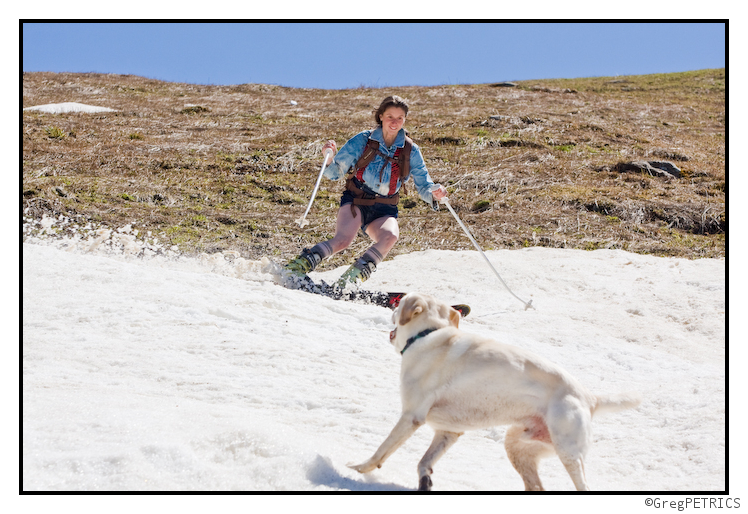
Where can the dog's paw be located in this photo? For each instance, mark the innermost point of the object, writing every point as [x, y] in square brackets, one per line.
[425, 483]
[363, 468]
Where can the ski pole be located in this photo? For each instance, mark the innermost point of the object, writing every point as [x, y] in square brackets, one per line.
[445, 201]
[302, 221]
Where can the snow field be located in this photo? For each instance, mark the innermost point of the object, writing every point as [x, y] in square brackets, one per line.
[144, 370]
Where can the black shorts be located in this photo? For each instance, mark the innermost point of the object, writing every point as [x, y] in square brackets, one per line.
[369, 212]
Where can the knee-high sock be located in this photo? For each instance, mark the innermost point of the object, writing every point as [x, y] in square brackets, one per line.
[370, 255]
[323, 249]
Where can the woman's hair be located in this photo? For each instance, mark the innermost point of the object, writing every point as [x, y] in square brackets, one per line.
[390, 101]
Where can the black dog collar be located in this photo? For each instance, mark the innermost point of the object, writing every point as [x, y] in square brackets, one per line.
[416, 337]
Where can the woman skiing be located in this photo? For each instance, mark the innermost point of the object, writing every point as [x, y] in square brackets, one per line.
[380, 161]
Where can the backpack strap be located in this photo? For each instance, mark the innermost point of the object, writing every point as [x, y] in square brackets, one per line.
[370, 151]
[405, 160]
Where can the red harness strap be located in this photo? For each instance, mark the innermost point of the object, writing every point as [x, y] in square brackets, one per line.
[395, 172]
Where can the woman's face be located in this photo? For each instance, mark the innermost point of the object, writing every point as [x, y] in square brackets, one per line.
[393, 120]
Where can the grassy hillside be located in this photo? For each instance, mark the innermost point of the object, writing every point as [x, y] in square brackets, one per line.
[537, 163]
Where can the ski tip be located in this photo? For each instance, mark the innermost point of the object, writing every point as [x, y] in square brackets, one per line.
[393, 300]
[463, 309]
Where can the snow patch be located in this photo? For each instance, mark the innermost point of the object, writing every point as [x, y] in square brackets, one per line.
[148, 370]
[66, 107]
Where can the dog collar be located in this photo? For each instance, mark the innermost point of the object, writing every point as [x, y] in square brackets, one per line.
[416, 337]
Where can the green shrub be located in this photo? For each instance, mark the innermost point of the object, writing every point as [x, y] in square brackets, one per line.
[55, 133]
[194, 109]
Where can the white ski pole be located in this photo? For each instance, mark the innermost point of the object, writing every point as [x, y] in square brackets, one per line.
[445, 201]
[302, 221]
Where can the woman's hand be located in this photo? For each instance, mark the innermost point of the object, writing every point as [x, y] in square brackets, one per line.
[439, 192]
[329, 151]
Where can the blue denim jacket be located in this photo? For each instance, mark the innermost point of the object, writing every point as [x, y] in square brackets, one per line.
[350, 152]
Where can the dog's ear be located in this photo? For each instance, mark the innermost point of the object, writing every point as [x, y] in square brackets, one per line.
[450, 314]
[454, 317]
[411, 307]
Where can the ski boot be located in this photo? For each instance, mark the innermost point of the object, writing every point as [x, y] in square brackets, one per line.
[297, 269]
[358, 273]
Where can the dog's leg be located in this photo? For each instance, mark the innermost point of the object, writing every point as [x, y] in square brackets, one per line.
[441, 443]
[569, 423]
[575, 467]
[525, 448]
[405, 427]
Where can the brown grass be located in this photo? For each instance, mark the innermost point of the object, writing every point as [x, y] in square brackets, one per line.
[216, 168]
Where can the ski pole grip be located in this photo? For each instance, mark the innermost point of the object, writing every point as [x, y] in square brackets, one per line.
[443, 199]
[327, 155]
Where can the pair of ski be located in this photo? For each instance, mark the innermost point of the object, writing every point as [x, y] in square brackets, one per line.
[380, 298]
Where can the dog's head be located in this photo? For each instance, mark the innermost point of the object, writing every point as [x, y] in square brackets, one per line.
[418, 312]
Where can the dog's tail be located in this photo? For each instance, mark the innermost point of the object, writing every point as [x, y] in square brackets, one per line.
[614, 403]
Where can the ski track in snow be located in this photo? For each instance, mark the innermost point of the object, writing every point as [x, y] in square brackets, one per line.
[155, 373]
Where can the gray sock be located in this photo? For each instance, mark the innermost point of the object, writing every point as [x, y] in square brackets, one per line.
[323, 249]
[371, 255]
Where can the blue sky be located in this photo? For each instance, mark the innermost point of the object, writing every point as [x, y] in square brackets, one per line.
[350, 55]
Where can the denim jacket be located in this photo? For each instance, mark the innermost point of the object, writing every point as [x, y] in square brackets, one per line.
[350, 152]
